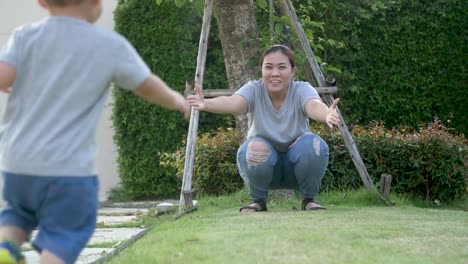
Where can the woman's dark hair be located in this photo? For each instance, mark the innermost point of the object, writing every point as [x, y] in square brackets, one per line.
[283, 49]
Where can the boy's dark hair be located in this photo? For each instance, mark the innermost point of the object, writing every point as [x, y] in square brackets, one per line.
[62, 3]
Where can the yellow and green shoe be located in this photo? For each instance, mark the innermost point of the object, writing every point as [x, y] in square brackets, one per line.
[9, 254]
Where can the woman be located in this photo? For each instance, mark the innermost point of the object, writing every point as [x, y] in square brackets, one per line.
[280, 151]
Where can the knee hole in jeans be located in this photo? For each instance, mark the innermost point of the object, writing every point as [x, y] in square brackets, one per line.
[316, 143]
[257, 153]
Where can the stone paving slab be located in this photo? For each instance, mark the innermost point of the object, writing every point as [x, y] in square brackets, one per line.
[140, 204]
[88, 255]
[115, 220]
[117, 236]
[104, 235]
[107, 235]
[116, 239]
[122, 211]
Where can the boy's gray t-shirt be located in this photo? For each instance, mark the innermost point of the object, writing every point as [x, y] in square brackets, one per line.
[279, 127]
[64, 67]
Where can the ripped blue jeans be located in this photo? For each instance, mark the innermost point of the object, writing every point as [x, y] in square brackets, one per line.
[263, 168]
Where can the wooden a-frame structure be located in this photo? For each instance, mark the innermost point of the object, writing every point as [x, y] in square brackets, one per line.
[325, 90]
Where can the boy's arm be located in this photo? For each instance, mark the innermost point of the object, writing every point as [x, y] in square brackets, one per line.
[154, 90]
[7, 77]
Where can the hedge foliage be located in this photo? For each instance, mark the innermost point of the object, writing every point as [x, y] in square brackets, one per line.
[166, 36]
[429, 163]
[403, 62]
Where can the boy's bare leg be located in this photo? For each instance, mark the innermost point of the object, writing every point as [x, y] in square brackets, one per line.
[49, 258]
[13, 234]
[17, 236]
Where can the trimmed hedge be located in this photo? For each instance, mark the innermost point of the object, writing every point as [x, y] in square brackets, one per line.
[403, 62]
[166, 36]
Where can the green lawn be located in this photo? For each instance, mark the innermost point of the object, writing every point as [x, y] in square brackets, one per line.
[355, 229]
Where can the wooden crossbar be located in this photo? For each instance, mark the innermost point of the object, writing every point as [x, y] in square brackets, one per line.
[210, 93]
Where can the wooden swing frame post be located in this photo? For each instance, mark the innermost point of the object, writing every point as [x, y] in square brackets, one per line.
[186, 201]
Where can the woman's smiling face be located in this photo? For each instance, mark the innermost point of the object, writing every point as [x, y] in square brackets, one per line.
[277, 72]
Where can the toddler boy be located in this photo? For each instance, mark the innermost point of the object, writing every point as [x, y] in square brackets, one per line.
[58, 71]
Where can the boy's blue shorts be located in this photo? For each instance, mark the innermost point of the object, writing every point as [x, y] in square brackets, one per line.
[63, 208]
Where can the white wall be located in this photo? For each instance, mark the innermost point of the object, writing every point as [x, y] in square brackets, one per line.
[18, 12]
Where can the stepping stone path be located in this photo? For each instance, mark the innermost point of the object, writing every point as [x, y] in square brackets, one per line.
[117, 228]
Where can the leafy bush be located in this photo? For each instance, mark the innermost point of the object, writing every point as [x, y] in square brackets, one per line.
[429, 163]
[214, 171]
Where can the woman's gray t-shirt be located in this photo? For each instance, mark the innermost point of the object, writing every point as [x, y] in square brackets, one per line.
[279, 127]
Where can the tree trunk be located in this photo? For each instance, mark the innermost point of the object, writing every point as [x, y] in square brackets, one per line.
[240, 43]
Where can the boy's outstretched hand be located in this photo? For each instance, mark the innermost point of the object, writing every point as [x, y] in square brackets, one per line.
[185, 109]
[7, 77]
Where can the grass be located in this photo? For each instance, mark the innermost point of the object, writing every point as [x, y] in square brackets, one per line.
[356, 228]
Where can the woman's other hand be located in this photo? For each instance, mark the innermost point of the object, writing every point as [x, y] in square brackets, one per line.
[333, 118]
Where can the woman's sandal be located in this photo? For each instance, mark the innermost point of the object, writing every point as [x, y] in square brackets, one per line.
[253, 207]
[306, 201]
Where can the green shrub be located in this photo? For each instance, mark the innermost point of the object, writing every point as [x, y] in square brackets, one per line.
[429, 163]
[214, 170]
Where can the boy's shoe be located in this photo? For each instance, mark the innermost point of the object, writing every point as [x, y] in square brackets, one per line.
[9, 254]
